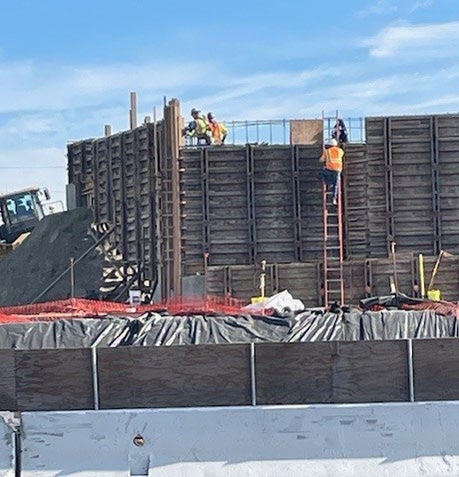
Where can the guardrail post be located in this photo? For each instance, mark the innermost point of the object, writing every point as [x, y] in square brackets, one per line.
[253, 382]
[95, 377]
[410, 369]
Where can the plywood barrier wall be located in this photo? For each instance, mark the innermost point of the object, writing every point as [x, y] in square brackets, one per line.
[229, 375]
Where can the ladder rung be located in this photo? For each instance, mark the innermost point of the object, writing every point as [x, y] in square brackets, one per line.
[333, 269]
[334, 280]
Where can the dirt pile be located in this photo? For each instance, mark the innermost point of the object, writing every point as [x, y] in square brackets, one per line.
[46, 253]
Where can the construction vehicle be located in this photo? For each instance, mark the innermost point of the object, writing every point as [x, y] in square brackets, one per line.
[20, 212]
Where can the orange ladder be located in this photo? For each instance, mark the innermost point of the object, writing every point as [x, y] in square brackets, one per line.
[333, 283]
[333, 249]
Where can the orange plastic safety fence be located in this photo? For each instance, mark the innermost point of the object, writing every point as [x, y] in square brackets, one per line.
[82, 308]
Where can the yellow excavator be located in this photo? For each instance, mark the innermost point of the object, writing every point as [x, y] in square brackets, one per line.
[20, 212]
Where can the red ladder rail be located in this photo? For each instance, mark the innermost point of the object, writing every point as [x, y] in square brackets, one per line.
[333, 283]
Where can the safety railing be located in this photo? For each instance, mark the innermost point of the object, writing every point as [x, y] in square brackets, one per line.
[277, 131]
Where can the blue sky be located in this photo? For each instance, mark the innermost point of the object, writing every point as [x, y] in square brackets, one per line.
[66, 68]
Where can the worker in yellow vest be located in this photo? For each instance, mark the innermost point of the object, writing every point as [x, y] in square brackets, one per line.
[199, 128]
[332, 159]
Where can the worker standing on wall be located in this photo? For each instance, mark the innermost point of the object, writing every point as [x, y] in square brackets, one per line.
[199, 128]
[333, 167]
[340, 133]
[218, 130]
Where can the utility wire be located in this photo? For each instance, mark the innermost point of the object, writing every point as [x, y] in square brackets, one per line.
[33, 167]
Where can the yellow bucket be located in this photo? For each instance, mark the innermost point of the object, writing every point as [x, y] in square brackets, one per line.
[258, 299]
[434, 295]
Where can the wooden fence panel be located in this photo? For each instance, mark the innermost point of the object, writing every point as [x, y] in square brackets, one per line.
[354, 372]
[7, 380]
[54, 380]
[435, 364]
[176, 376]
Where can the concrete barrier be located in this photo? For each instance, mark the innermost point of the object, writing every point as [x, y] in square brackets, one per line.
[402, 440]
[7, 446]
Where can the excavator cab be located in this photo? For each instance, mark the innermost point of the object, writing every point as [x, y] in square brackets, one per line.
[20, 213]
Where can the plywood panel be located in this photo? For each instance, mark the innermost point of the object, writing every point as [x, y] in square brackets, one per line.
[301, 373]
[436, 364]
[7, 381]
[53, 380]
[306, 131]
[176, 376]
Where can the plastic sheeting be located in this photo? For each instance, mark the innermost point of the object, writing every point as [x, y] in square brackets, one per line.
[157, 330]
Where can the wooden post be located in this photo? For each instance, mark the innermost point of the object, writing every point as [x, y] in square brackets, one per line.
[108, 130]
[133, 110]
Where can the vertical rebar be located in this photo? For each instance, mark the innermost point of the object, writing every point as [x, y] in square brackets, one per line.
[72, 277]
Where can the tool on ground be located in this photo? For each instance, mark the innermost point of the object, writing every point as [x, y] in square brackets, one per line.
[262, 285]
[422, 278]
[394, 283]
[333, 283]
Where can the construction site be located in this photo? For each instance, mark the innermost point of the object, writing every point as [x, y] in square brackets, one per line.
[205, 290]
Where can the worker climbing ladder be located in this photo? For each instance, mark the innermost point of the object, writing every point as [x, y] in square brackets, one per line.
[333, 283]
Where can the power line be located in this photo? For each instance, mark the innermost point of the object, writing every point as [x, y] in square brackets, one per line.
[33, 167]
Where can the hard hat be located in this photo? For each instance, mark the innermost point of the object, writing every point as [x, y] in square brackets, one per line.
[195, 111]
[331, 142]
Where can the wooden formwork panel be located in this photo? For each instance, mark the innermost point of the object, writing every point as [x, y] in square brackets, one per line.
[312, 233]
[447, 135]
[355, 184]
[274, 209]
[254, 203]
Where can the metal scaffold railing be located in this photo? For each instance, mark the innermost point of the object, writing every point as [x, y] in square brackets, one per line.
[277, 131]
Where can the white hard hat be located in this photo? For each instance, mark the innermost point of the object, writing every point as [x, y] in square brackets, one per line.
[331, 142]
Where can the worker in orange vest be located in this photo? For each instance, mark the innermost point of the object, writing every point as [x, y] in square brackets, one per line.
[218, 130]
[332, 159]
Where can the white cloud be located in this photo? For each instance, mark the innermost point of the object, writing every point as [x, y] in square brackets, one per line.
[28, 86]
[437, 39]
[380, 7]
[422, 4]
[22, 167]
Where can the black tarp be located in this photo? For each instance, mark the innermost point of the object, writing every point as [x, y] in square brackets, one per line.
[159, 330]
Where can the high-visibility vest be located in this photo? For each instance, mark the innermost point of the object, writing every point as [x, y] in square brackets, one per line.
[202, 126]
[333, 159]
[218, 131]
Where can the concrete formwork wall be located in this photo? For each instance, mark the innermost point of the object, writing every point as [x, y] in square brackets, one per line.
[362, 278]
[412, 189]
[113, 176]
[347, 440]
[238, 206]
[248, 204]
